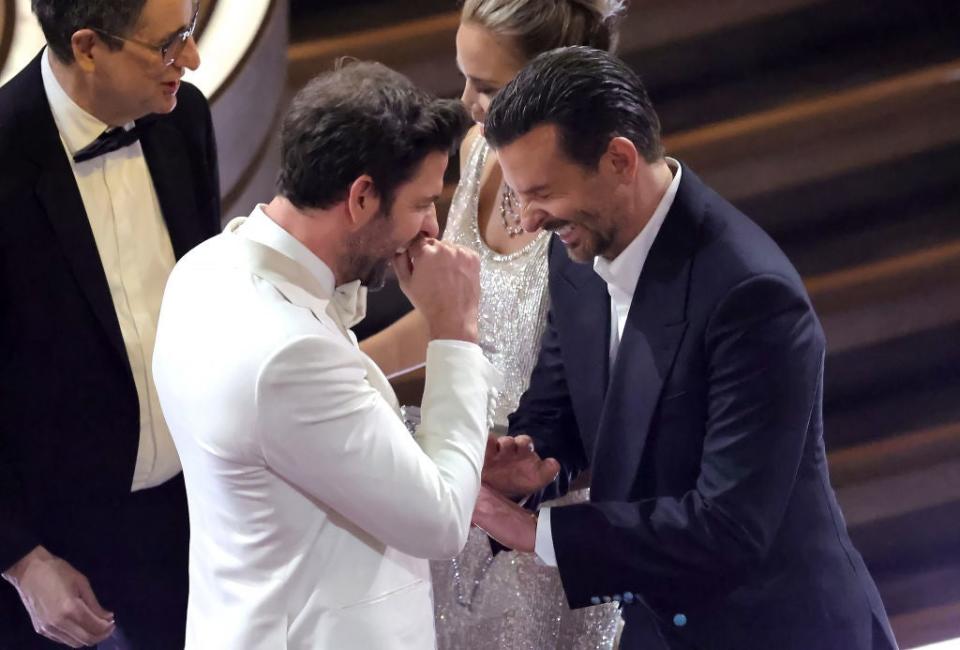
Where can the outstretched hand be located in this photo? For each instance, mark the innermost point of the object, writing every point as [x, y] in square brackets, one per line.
[512, 467]
[505, 521]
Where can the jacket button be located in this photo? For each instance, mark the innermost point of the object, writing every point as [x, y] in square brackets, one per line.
[617, 598]
[628, 597]
[595, 600]
[680, 620]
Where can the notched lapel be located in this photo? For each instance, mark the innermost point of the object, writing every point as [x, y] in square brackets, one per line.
[57, 191]
[60, 197]
[584, 304]
[648, 349]
[644, 361]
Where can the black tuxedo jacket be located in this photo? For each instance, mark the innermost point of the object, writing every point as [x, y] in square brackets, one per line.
[711, 515]
[69, 415]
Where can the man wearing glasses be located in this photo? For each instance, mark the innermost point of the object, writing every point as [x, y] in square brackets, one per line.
[108, 174]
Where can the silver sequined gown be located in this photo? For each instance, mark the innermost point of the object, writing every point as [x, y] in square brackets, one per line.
[508, 602]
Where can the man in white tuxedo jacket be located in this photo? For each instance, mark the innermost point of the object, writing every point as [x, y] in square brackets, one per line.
[312, 508]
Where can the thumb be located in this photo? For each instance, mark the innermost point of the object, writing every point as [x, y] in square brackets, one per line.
[85, 592]
[402, 267]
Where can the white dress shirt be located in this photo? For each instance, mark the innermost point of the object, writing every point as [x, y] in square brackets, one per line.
[621, 276]
[312, 507]
[134, 247]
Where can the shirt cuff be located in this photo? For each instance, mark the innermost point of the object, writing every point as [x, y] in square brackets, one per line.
[455, 343]
[544, 544]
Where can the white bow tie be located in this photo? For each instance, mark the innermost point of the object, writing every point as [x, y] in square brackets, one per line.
[349, 301]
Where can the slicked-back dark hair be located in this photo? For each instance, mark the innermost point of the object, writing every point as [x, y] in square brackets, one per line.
[59, 19]
[362, 118]
[591, 96]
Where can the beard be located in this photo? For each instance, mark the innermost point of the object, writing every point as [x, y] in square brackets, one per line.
[374, 275]
[593, 240]
[369, 253]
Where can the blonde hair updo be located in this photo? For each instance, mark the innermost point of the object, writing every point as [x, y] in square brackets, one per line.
[537, 26]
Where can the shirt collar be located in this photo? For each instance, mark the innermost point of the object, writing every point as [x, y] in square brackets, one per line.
[622, 273]
[259, 227]
[77, 127]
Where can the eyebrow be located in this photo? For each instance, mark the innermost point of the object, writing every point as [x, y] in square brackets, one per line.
[536, 189]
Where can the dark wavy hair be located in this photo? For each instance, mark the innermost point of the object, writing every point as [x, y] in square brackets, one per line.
[59, 19]
[591, 96]
[361, 118]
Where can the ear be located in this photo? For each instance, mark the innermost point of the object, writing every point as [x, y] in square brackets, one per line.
[85, 43]
[363, 202]
[621, 158]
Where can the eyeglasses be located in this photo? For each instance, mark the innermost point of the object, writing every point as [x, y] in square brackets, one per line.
[171, 48]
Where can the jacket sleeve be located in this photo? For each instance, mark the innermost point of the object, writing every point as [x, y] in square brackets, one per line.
[16, 537]
[765, 353]
[324, 428]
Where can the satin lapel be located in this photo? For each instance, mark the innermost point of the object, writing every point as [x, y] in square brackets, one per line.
[301, 288]
[168, 159]
[651, 337]
[584, 305]
[59, 195]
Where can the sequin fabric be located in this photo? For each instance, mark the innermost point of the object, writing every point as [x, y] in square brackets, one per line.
[508, 602]
[513, 289]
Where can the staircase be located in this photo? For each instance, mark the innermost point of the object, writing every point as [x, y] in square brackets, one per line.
[836, 126]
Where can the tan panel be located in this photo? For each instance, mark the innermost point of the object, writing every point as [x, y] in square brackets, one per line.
[7, 14]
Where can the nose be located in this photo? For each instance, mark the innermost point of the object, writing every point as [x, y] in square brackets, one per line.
[190, 56]
[532, 219]
[430, 226]
[470, 100]
[468, 97]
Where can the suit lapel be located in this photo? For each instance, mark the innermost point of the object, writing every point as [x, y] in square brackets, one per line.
[169, 163]
[585, 305]
[651, 337]
[59, 195]
[298, 286]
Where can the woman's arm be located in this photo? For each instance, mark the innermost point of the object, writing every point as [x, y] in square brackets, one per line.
[399, 346]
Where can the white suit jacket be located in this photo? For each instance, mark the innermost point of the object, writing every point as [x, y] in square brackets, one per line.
[312, 508]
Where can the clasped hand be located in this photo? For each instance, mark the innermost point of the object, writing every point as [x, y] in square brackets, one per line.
[59, 599]
[511, 468]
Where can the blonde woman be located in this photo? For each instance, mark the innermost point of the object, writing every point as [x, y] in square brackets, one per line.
[506, 601]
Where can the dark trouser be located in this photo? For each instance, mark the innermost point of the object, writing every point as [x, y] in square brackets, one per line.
[139, 572]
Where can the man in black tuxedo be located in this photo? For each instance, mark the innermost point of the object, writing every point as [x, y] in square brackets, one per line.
[108, 173]
[683, 363]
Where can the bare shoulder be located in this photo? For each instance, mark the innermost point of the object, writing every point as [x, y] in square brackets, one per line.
[467, 145]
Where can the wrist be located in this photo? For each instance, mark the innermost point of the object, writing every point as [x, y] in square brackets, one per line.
[16, 572]
[460, 332]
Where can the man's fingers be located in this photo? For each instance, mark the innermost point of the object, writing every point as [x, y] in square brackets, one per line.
[90, 602]
[549, 469]
[508, 446]
[55, 633]
[401, 266]
[95, 628]
[524, 444]
[94, 622]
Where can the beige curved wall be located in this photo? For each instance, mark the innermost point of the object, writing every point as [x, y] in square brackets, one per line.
[243, 47]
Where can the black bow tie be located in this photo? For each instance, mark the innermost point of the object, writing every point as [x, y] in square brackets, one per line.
[109, 140]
